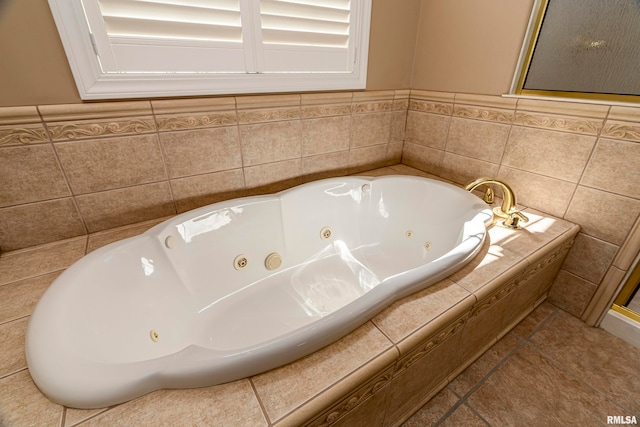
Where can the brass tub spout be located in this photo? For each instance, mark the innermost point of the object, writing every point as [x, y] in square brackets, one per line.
[507, 212]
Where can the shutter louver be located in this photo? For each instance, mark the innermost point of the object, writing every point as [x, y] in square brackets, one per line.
[173, 35]
[306, 35]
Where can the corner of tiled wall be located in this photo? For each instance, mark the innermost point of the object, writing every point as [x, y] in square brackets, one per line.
[576, 161]
[70, 170]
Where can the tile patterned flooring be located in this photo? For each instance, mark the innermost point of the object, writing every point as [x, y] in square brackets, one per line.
[551, 370]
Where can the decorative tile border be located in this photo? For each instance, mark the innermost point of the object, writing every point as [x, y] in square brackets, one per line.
[569, 124]
[268, 115]
[343, 407]
[622, 130]
[311, 111]
[77, 130]
[10, 135]
[481, 113]
[430, 107]
[195, 121]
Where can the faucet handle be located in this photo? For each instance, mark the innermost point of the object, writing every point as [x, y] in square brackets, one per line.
[513, 219]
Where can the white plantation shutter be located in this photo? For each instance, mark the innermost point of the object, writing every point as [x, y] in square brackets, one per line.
[167, 36]
[306, 35]
[116, 47]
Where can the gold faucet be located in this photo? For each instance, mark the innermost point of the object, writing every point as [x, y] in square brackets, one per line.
[507, 212]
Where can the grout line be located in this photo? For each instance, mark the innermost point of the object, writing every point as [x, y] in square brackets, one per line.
[570, 372]
[262, 407]
[521, 343]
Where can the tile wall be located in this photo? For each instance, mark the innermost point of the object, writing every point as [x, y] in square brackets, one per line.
[70, 170]
[576, 161]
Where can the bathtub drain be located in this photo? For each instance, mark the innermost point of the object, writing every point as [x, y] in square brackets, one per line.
[154, 335]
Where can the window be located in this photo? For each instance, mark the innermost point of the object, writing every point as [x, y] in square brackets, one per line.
[582, 49]
[146, 48]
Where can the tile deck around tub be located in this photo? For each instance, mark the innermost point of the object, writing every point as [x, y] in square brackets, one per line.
[363, 360]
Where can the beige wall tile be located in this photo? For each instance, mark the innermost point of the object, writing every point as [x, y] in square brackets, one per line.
[365, 158]
[37, 223]
[398, 125]
[12, 357]
[615, 167]
[19, 298]
[370, 129]
[426, 129]
[537, 191]
[554, 154]
[463, 169]
[124, 206]
[477, 139]
[27, 263]
[201, 151]
[270, 142]
[571, 293]
[394, 152]
[102, 238]
[30, 174]
[325, 135]
[603, 215]
[272, 177]
[424, 158]
[431, 412]
[104, 164]
[589, 258]
[200, 190]
[325, 166]
[21, 403]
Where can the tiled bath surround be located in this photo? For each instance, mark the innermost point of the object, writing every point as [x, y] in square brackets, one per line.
[70, 170]
[377, 375]
[576, 161]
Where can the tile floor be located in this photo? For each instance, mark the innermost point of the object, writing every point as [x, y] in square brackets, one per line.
[551, 370]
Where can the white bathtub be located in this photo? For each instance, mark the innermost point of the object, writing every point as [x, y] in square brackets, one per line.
[173, 308]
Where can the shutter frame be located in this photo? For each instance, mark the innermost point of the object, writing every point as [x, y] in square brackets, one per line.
[94, 82]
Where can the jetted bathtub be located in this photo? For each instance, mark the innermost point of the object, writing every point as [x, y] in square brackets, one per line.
[239, 287]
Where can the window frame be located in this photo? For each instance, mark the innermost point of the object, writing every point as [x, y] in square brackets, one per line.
[94, 84]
